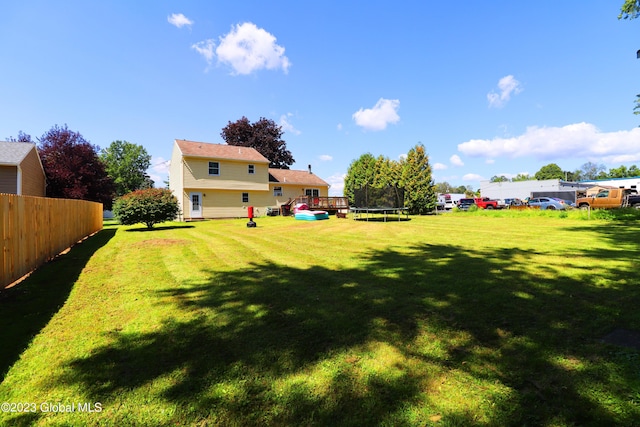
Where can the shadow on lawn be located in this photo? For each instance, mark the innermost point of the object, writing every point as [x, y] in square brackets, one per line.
[157, 228]
[256, 327]
[27, 308]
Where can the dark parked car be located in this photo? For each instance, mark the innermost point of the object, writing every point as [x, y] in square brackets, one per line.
[515, 203]
[465, 204]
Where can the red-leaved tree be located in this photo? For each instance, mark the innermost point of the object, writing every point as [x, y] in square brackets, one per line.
[73, 168]
[264, 135]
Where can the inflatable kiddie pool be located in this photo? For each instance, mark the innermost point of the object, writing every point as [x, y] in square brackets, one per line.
[307, 215]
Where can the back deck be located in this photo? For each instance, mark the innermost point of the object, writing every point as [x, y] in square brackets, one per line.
[330, 204]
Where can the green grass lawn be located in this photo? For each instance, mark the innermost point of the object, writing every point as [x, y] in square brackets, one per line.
[461, 319]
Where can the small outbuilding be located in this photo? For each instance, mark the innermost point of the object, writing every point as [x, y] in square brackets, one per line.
[21, 170]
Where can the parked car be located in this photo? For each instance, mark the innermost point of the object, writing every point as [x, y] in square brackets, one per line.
[567, 203]
[465, 204]
[485, 203]
[610, 198]
[546, 203]
[514, 202]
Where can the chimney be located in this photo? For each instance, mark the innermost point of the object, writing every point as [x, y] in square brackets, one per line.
[310, 169]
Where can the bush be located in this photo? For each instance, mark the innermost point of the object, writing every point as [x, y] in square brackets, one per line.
[150, 207]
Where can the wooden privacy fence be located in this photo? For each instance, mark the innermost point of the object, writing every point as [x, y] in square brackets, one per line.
[35, 229]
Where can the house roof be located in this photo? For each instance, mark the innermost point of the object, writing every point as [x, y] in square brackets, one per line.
[220, 151]
[13, 153]
[288, 176]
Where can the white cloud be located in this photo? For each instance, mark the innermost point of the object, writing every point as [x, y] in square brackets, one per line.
[179, 20]
[377, 118]
[507, 85]
[326, 158]
[286, 125]
[456, 160]
[439, 167]
[339, 127]
[159, 170]
[336, 181]
[403, 156]
[490, 161]
[472, 177]
[205, 48]
[582, 140]
[248, 48]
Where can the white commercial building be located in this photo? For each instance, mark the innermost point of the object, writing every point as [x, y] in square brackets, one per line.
[628, 183]
[524, 189]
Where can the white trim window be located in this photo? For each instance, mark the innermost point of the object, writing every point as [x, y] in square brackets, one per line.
[251, 169]
[214, 168]
[277, 191]
[312, 192]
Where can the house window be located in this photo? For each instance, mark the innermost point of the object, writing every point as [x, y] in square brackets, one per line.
[312, 192]
[214, 168]
[277, 191]
[251, 169]
[245, 197]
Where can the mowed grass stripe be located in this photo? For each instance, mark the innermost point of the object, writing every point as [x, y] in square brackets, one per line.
[408, 323]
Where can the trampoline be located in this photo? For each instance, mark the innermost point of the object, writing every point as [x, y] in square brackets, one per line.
[365, 213]
[378, 202]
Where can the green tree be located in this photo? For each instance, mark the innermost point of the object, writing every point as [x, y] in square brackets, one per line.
[591, 170]
[444, 187]
[361, 172]
[522, 177]
[630, 9]
[417, 182]
[464, 189]
[500, 178]
[126, 164]
[572, 176]
[550, 171]
[623, 172]
[151, 206]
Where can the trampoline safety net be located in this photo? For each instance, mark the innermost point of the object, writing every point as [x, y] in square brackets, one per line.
[372, 197]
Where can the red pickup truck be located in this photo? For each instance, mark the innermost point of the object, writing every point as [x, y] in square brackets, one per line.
[486, 203]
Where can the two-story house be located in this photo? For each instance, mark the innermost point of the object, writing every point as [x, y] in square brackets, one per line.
[221, 181]
[21, 170]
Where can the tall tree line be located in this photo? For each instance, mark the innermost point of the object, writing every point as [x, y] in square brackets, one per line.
[586, 172]
[76, 169]
[412, 174]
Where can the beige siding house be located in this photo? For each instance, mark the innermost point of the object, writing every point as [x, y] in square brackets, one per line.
[222, 181]
[21, 171]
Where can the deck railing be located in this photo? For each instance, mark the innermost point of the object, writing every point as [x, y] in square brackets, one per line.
[324, 203]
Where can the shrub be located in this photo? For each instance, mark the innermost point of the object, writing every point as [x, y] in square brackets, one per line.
[150, 207]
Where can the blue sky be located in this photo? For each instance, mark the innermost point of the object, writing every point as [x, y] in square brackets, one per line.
[490, 88]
